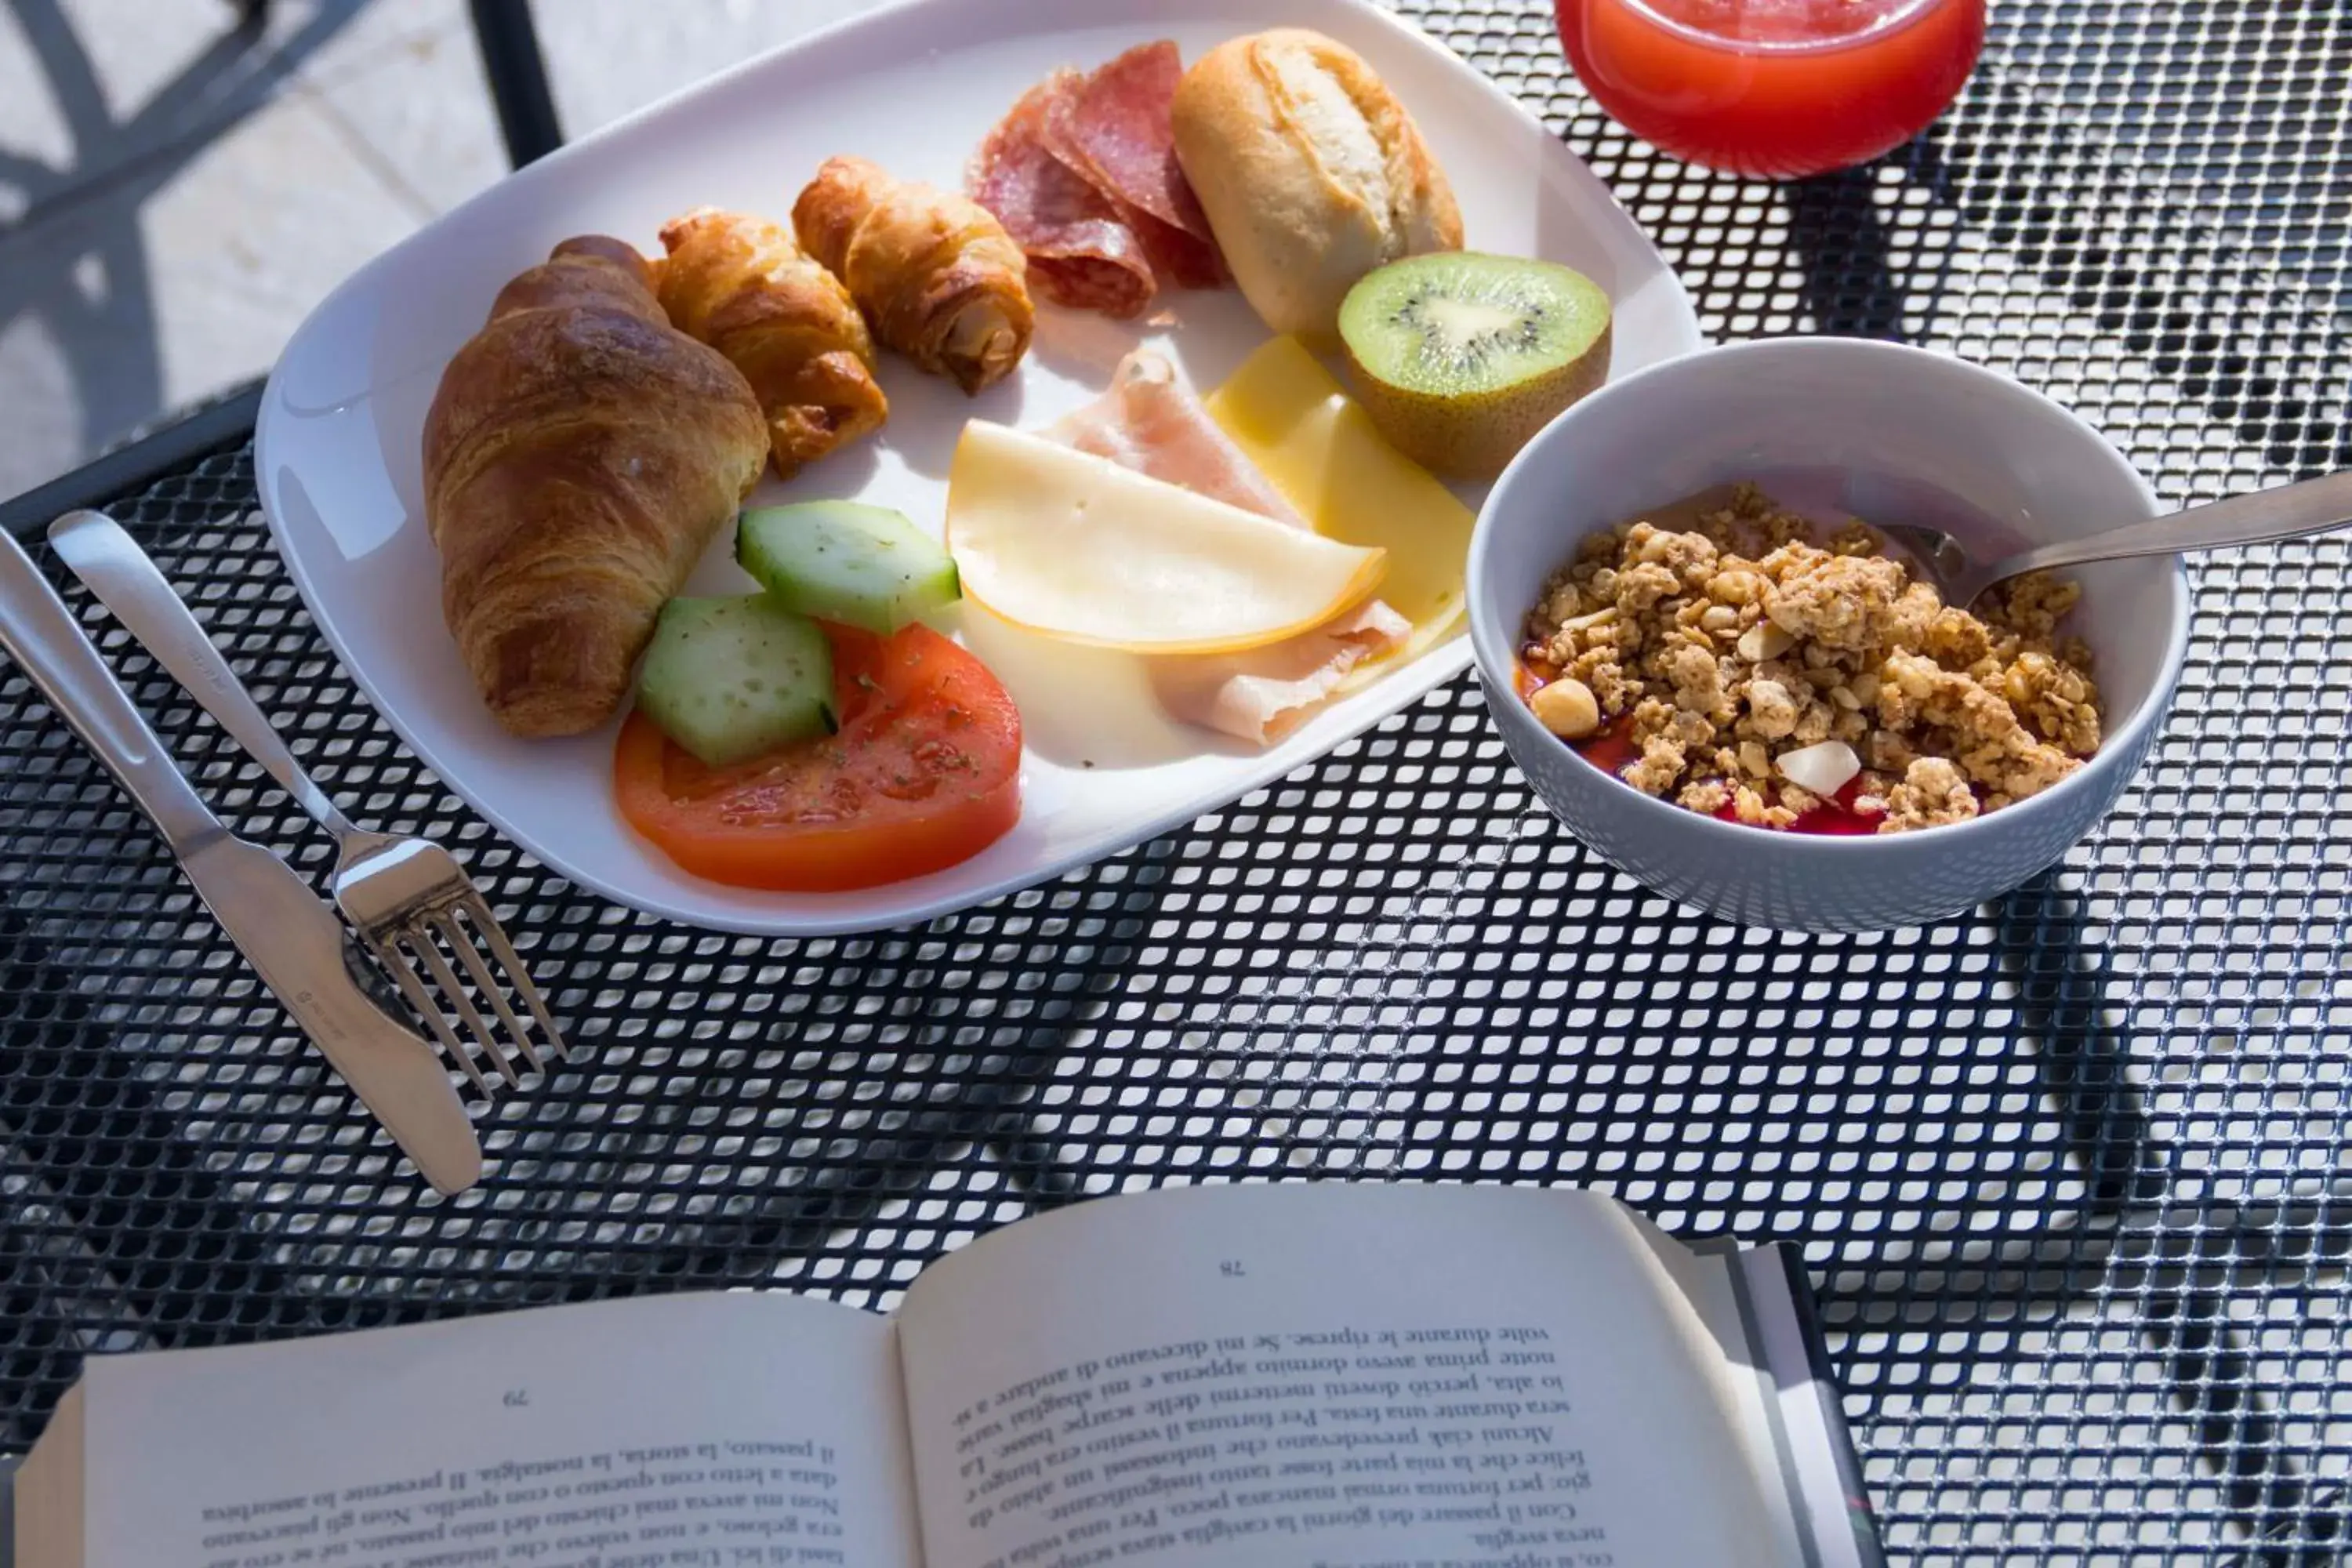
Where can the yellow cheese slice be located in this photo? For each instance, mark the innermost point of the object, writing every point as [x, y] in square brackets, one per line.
[1321, 450]
[1077, 547]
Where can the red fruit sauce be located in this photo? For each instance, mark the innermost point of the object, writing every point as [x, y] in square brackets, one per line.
[1838, 820]
[1613, 750]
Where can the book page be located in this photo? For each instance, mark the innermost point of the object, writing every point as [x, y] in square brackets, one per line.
[719, 1430]
[1343, 1376]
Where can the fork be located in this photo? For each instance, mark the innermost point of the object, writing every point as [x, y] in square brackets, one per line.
[400, 893]
[2285, 511]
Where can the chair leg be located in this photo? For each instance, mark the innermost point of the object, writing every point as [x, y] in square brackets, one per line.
[517, 77]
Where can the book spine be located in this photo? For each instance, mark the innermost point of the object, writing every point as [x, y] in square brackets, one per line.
[1799, 1290]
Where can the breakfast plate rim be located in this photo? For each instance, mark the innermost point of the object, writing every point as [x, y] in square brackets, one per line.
[875, 909]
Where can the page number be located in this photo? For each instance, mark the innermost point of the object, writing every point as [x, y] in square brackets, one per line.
[516, 1398]
[1232, 1269]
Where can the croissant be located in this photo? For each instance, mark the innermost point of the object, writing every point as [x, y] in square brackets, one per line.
[579, 455]
[936, 274]
[740, 285]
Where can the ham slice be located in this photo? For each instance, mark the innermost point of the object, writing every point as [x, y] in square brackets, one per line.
[1116, 129]
[1081, 252]
[1149, 421]
[1266, 693]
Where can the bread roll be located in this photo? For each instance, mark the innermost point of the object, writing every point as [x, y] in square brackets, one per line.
[1311, 172]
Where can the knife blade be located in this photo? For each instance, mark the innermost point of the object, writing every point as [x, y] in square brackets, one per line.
[292, 937]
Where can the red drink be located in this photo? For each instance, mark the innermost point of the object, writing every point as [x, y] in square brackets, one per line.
[1774, 88]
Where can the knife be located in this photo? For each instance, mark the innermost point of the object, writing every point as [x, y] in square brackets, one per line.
[290, 935]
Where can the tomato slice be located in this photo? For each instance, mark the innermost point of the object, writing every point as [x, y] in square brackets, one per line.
[924, 772]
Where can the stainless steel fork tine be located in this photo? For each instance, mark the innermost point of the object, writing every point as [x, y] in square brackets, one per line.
[404, 895]
[419, 938]
[477, 912]
[389, 955]
[471, 957]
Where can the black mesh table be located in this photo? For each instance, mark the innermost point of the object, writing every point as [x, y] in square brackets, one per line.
[2067, 1171]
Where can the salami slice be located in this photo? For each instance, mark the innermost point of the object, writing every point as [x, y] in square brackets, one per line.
[1114, 127]
[1082, 252]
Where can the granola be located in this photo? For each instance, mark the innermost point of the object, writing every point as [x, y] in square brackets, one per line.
[1756, 674]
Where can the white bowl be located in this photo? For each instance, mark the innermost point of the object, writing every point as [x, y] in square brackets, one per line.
[1881, 431]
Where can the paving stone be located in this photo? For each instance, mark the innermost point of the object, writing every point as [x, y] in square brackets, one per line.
[38, 388]
[154, 296]
[176, 194]
[415, 103]
[91, 88]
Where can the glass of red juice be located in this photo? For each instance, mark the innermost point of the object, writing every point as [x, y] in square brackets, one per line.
[1777, 88]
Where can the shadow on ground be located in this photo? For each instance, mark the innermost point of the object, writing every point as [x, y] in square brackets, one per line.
[97, 298]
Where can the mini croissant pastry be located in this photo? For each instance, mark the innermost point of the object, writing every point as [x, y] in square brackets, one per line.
[936, 274]
[579, 455]
[740, 285]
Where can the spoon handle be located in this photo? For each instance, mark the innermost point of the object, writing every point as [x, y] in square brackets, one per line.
[2286, 511]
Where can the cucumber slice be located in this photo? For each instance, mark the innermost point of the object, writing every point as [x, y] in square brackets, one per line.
[844, 561]
[729, 679]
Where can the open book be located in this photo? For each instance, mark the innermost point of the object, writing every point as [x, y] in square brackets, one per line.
[1314, 1374]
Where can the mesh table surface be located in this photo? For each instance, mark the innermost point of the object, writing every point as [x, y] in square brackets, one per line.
[2066, 1171]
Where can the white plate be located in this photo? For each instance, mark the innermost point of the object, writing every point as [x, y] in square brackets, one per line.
[914, 88]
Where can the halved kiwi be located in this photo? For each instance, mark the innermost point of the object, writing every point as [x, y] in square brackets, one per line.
[1460, 356]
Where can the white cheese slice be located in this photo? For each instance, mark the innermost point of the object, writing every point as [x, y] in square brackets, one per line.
[1077, 547]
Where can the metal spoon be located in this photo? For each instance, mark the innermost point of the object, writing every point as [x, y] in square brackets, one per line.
[2289, 512]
